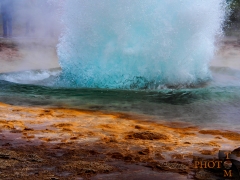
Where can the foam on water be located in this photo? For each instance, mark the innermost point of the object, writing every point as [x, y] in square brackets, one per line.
[32, 76]
[138, 44]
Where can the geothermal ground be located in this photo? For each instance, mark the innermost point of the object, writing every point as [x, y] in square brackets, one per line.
[50, 143]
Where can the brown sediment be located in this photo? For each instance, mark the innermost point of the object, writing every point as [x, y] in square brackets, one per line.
[146, 135]
[62, 125]
[9, 45]
[71, 143]
[177, 156]
[209, 152]
[9, 51]
[227, 134]
[210, 143]
[85, 167]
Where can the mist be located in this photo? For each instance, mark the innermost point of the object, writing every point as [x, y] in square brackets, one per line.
[36, 18]
[36, 28]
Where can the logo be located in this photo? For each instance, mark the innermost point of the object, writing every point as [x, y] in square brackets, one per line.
[226, 166]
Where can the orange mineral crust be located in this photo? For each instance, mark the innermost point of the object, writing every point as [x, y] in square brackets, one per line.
[50, 142]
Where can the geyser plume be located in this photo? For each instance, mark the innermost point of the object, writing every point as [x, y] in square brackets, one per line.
[138, 44]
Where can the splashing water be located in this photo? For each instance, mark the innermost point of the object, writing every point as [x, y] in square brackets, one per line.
[138, 44]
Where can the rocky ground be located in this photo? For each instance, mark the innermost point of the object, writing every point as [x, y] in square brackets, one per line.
[50, 143]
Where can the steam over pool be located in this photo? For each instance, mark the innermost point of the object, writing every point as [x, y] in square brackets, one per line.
[138, 44]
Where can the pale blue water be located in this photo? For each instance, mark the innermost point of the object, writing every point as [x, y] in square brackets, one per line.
[138, 44]
[213, 105]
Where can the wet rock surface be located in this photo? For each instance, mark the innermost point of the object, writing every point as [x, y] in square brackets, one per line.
[51, 143]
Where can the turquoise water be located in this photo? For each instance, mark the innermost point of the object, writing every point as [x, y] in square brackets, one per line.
[213, 104]
[138, 44]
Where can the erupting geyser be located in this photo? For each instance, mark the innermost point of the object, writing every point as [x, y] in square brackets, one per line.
[138, 44]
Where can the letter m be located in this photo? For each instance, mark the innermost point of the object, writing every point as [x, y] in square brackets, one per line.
[227, 173]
